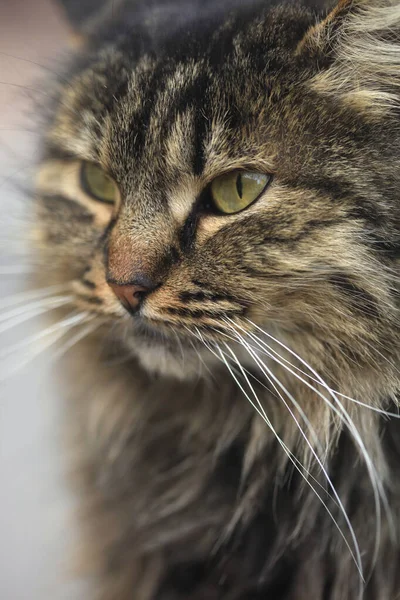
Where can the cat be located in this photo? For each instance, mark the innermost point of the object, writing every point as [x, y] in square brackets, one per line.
[218, 192]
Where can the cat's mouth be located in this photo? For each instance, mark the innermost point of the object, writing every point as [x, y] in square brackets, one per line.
[163, 341]
[155, 334]
[148, 325]
[183, 352]
[165, 352]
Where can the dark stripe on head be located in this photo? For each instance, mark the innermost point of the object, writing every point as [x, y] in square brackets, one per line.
[193, 97]
[150, 88]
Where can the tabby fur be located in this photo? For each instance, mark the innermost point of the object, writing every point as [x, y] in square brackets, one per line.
[186, 491]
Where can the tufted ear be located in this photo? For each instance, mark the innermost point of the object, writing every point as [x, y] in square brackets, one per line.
[357, 52]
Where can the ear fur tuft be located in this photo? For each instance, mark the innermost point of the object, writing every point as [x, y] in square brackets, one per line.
[362, 41]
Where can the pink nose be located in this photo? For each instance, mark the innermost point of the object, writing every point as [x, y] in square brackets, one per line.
[129, 295]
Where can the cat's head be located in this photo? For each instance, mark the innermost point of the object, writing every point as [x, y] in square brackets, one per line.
[241, 171]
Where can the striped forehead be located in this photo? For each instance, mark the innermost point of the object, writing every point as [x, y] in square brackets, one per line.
[167, 135]
[160, 121]
[170, 136]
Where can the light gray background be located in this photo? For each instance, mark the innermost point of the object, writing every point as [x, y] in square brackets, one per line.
[36, 529]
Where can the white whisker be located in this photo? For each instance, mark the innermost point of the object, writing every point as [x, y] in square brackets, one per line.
[180, 348]
[27, 313]
[70, 321]
[269, 374]
[84, 332]
[271, 378]
[285, 360]
[29, 295]
[382, 412]
[55, 332]
[288, 453]
[378, 490]
[201, 360]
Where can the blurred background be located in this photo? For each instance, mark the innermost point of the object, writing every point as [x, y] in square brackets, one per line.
[36, 510]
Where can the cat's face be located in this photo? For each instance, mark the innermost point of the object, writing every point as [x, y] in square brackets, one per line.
[191, 188]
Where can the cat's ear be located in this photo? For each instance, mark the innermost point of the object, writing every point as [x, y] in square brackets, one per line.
[356, 54]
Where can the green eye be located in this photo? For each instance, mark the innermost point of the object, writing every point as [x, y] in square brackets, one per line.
[98, 184]
[235, 191]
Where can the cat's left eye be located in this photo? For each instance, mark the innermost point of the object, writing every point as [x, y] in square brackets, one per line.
[98, 184]
[236, 190]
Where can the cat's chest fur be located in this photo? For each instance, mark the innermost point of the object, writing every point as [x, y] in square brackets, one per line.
[188, 496]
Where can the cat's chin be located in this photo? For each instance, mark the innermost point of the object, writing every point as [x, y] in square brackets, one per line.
[159, 360]
[162, 353]
[165, 357]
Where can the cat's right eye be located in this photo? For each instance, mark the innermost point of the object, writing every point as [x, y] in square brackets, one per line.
[98, 184]
[233, 192]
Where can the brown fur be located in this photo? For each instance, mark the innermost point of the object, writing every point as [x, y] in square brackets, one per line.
[188, 492]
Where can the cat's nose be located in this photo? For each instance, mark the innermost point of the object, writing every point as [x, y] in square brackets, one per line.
[131, 295]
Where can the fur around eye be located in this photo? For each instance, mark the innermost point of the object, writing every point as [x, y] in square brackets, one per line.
[98, 184]
[236, 190]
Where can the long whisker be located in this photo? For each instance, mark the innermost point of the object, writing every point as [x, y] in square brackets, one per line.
[246, 373]
[27, 296]
[180, 348]
[271, 378]
[249, 374]
[270, 375]
[55, 332]
[382, 412]
[279, 395]
[287, 452]
[373, 408]
[25, 87]
[70, 321]
[84, 332]
[285, 360]
[32, 62]
[378, 490]
[32, 311]
[297, 405]
[201, 360]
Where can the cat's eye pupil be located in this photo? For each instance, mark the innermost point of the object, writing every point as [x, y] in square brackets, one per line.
[239, 185]
[234, 191]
